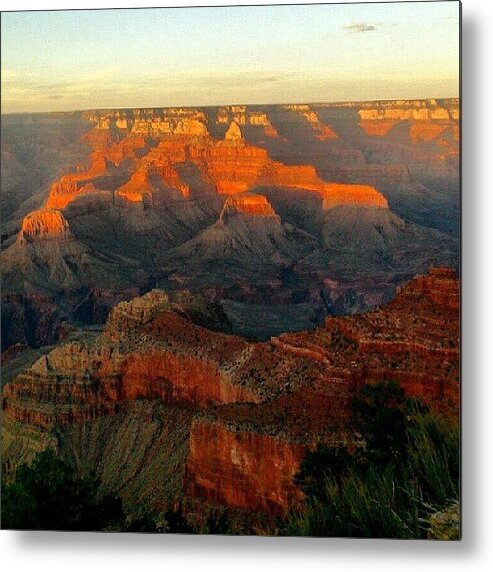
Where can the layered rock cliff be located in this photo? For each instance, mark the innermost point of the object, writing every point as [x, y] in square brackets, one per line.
[231, 164]
[241, 469]
[256, 407]
[249, 204]
[420, 110]
[151, 204]
[43, 225]
[414, 341]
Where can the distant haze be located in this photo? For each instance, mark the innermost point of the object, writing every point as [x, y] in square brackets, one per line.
[62, 61]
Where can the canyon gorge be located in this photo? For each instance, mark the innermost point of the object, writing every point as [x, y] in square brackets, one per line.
[192, 297]
[252, 205]
[201, 416]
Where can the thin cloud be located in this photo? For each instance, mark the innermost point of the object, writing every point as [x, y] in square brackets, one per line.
[8, 74]
[108, 86]
[360, 27]
[33, 86]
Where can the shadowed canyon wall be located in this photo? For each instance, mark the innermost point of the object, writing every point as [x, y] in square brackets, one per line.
[256, 407]
[149, 201]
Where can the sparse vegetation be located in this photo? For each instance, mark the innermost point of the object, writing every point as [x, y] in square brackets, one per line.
[405, 471]
[48, 495]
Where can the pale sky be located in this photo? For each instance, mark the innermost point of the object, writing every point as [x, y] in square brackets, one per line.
[68, 60]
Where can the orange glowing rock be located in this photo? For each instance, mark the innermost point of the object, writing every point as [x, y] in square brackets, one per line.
[230, 166]
[342, 194]
[378, 128]
[333, 194]
[250, 204]
[43, 224]
[151, 178]
[426, 131]
[233, 133]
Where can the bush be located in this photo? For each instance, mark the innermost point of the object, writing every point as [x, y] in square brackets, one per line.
[390, 488]
[369, 505]
[47, 495]
[379, 414]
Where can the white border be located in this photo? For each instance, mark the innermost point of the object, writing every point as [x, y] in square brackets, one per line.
[59, 552]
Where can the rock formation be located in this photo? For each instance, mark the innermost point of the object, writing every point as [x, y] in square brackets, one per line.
[247, 118]
[321, 132]
[339, 208]
[257, 407]
[43, 224]
[231, 164]
[150, 201]
[420, 110]
[242, 469]
[249, 204]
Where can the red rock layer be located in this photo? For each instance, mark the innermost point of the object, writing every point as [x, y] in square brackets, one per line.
[246, 457]
[128, 148]
[230, 165]
[149, 179]
[426, 131]
[251, 204]
[179, 362]
[65, 190]
[267, 402]
[333, 194]
[43, 224]
[234, 167]
[242, 469]
[440, 285]
[75, 384]
[417, 335]
[106, 153]
[413, 340]
[427, 120]
[174, 378]
[324, 132]
[378, 128]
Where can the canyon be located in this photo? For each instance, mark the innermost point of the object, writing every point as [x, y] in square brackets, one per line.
[192, 297]
[251, 205]
[227, 420]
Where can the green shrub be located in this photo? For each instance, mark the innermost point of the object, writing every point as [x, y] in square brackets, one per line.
[47, 495]
[389, 488]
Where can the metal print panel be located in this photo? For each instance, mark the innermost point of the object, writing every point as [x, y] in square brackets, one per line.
[230, 270]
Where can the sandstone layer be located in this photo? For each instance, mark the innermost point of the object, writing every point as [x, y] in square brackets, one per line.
[256, 407]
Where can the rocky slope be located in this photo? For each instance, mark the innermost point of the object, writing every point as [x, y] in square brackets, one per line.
[248, 240]
[199, 414]
[36, 149]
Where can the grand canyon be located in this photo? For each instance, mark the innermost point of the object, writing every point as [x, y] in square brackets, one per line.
[195, 298]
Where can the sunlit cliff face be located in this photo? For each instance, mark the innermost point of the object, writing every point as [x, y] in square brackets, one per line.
[44, 224]
[256, 407]
[201, 197]
[231, 164]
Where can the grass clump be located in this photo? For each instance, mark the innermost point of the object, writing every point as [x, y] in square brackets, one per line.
[404, 470]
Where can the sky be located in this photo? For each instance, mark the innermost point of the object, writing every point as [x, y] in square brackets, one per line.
[86, 59]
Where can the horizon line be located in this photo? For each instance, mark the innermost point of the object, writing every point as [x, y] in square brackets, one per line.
[319, 102]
